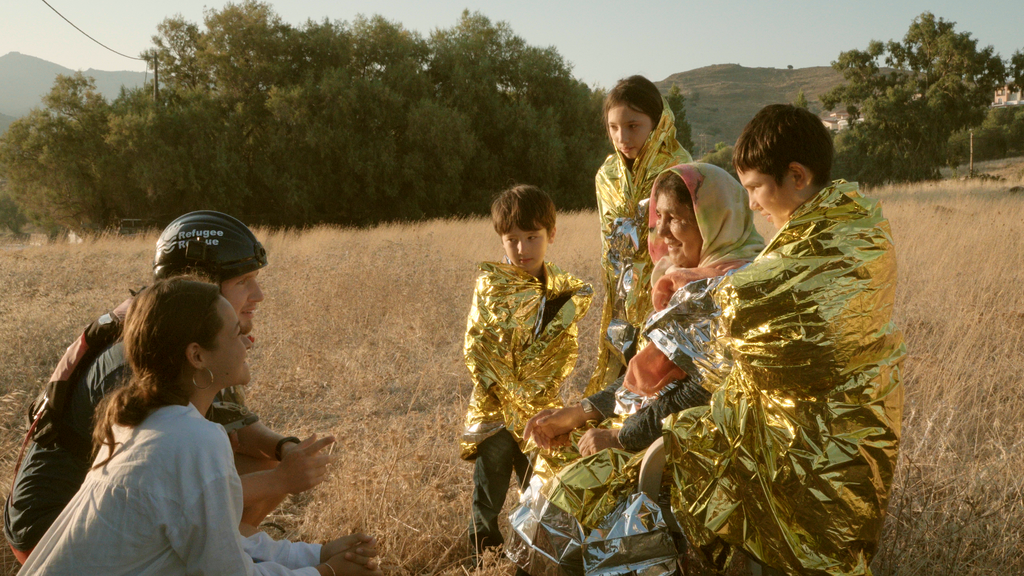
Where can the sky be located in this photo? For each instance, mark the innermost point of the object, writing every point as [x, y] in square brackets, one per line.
[604, 40]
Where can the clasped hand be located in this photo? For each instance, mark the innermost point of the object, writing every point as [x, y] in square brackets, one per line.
[550, 429]
[352, 555]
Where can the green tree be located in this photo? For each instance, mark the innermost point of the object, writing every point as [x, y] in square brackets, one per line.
[1000, 135]
[11, 215]
[801, 100]
[677, 102]
[57, 162]
[1016, 71]
[352, 123]
[721, 157]
[533, 122]
[177, 48]
[938, 82]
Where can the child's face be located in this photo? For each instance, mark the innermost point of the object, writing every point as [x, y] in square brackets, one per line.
[628, 130]
[527, 248]
[677, 226]
[773, 200]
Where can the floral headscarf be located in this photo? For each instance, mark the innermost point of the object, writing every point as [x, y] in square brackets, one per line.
[723, 216]
[726, 225]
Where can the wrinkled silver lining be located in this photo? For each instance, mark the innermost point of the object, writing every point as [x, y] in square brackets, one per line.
[634, 540]
[684, 330]
[628, 402]
[545, 541]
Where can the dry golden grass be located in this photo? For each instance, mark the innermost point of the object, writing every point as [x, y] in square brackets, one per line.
[361, 336]
[1009, 169]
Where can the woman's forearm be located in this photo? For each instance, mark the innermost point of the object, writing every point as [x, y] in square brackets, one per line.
[604, 401]
[644, 427]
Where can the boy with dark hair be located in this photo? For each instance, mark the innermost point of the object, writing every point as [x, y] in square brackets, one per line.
[783, 158]
[520, 346]
[795, 463]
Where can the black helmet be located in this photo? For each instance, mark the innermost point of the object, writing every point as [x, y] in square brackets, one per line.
[207, 241]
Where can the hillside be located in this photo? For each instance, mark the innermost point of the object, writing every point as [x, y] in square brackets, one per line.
[720, 99]
[5, 121]
[25, 79]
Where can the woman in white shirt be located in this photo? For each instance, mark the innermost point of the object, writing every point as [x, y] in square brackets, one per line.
[163, 496]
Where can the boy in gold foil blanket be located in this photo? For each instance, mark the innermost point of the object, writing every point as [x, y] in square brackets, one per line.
[793, 460]
[520, 346]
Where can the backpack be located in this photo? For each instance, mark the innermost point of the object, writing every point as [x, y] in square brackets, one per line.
[46, 413]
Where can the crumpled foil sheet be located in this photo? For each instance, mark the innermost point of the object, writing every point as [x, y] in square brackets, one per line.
[635, 539]
[545, 540]
[516, 364]
[628, 402]
[591, 487]
[685, 330]
[623, 197]
[793, 460]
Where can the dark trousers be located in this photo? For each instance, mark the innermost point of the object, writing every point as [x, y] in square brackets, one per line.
[496, 459]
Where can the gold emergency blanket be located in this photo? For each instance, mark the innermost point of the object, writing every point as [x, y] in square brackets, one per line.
[793, 460]
[516, 363]
[623, 198]
[593, 486]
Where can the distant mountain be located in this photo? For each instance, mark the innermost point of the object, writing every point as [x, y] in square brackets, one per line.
[5, 121]
[721, 99]
[24, 80]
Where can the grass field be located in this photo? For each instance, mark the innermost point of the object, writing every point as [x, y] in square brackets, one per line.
[361, 335]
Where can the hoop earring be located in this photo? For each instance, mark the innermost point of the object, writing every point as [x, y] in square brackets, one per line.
[203, 387]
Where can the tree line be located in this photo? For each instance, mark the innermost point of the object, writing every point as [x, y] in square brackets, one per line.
[912, 101]
[363, 122]
[914, 105]
[349, 123]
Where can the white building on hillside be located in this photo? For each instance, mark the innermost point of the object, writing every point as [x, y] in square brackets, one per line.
[1004, 97]
[838, 120]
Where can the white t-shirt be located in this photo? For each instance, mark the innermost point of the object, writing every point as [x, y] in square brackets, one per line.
[168, 502]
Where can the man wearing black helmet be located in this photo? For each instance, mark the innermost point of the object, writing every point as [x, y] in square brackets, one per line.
[223, 250]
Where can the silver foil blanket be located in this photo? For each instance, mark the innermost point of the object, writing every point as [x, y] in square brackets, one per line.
[545, 541]
[633, 539]
[624, 243]
[628, 403]
[685, 330]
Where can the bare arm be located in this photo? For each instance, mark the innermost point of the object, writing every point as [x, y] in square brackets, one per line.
[258, 441]
[551, 427]
[302, 467]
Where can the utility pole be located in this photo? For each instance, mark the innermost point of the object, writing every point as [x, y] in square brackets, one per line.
[971, 171]
[156, 80]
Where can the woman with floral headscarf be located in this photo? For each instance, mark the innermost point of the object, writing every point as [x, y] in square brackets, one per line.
[704, 228]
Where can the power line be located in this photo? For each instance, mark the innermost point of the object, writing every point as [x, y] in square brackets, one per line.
[91, 38]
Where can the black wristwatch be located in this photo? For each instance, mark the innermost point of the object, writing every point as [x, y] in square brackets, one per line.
[280, 444]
